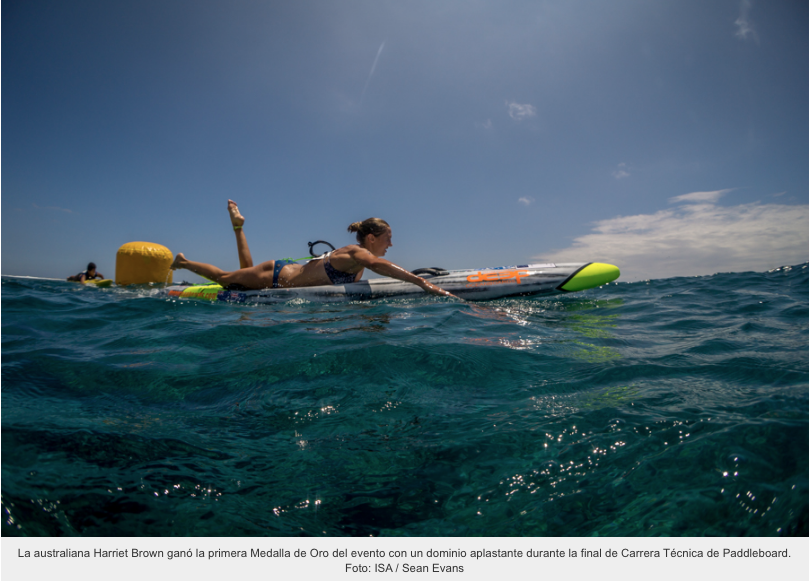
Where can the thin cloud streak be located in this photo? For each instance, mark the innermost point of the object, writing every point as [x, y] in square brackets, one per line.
[698, 238]
[372, 72]
[696, 197]
[51, 208]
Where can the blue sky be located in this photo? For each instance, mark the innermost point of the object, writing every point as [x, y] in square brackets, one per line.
[669, 138]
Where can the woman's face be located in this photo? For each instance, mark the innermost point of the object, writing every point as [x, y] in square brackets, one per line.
[378, 245]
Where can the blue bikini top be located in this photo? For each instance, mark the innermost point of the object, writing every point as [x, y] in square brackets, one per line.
[334, 275]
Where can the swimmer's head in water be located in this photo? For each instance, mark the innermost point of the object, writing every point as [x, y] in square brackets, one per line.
[373, 226]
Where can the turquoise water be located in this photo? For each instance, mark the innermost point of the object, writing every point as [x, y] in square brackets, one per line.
[666, 407]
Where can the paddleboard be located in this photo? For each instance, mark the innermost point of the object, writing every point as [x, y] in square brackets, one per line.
[99, 282]
[470, 284]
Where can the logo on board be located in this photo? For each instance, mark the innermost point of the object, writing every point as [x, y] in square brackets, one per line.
[501, 276]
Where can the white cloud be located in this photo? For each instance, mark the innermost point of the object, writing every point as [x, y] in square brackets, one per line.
[526, 200]
[520, 111]
[745, 29]
[696, 197]
[696, 238]
[488, 125]
[621, 172]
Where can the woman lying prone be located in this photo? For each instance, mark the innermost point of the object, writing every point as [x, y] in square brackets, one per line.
[344, 265]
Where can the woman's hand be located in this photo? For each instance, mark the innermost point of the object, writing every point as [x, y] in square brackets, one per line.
[437, 291]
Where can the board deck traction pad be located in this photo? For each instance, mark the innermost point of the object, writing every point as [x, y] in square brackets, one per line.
[472, 284]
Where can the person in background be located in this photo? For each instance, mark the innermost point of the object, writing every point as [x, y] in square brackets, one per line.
[89, 273]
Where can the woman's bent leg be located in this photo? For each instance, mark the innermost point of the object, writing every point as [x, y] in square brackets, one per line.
[237, 221]
[204, 269]
[245, 259]
[257, 277]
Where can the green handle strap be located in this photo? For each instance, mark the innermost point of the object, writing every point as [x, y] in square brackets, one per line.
[300, 259]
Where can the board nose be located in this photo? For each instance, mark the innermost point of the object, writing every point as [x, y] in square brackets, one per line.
[592, 275]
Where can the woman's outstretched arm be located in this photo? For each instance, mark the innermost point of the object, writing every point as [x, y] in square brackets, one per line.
[387, 268]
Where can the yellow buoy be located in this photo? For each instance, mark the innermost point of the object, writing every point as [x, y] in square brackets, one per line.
[140, 262]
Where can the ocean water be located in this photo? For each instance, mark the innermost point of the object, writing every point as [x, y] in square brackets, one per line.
[666, 407]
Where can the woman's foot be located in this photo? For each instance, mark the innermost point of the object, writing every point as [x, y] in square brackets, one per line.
[179, 262]
[237, 220]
